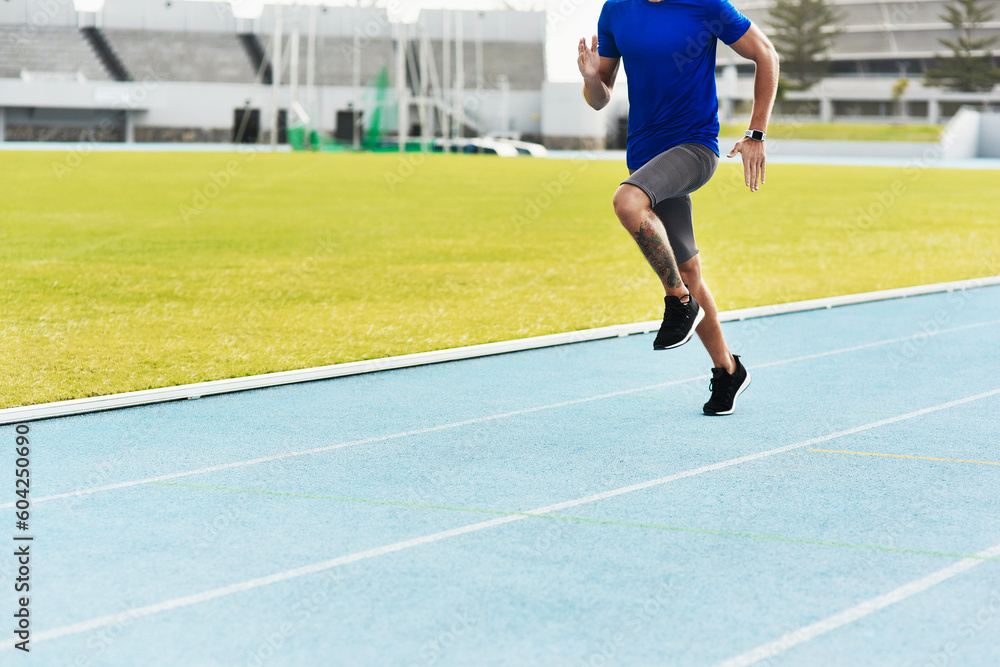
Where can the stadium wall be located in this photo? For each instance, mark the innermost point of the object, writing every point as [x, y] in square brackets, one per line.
[153, 110]
[989, 135]
[197, 102]
[174, 97]
[972, 134]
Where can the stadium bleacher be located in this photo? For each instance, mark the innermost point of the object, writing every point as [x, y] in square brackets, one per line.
[875, 33]
[219, 57]
[521, 63]
[47, 50]
[183, 56]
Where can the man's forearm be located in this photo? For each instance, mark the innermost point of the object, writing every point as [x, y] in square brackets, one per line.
[765, 87]
[596, 93]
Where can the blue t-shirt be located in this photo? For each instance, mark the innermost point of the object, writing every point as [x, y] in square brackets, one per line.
[668, 49]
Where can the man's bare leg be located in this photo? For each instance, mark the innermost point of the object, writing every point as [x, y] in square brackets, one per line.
[634, 210]
[710, 330]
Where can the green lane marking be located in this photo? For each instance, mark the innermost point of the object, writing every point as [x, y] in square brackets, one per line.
[346, 500]
[776, 538]
[560, 517]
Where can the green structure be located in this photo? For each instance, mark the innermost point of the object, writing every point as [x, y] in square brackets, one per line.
[379, 113]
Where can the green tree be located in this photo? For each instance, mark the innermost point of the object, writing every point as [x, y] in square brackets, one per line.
[898, 90]
[803, 32]
[964, 71]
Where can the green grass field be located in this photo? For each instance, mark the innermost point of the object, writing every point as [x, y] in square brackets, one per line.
[844, 131]
[126, 271]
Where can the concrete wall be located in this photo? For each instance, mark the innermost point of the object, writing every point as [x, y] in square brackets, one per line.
[989, 135]
[970, 134]
[961, 137]
[864, 98]
[210, 106]
[569, 123]
[31, 124]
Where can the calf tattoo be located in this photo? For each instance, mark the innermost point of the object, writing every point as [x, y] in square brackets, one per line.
[658, 252]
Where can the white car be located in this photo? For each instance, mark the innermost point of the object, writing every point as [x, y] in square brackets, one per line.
[489, 146]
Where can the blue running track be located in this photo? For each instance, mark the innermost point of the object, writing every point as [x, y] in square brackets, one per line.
[560, 506]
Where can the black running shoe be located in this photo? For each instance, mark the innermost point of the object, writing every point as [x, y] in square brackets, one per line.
[726, 389]
[680, 319]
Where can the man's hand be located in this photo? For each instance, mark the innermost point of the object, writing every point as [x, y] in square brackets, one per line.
[754, 45]
[588, 60]
[598, 74]
[753, 154]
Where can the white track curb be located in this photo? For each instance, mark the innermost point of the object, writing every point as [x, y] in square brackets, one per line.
[197, 390]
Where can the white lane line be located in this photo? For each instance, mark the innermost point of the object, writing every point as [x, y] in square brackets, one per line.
[378, 438]
[865, 346]
[809, 632]
[176, 603]
[477, 420]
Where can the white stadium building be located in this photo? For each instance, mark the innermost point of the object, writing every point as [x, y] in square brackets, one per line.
[162, 71]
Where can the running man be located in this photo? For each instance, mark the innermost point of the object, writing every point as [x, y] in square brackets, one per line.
[673, 127]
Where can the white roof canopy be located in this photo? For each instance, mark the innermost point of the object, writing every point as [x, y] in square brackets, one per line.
[397, 9]
[403, 11]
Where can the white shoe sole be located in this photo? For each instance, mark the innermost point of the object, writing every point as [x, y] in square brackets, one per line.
[746, 383]
[697, 320]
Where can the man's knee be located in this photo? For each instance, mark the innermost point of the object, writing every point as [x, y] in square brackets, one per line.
[690, 271]
[629, 202]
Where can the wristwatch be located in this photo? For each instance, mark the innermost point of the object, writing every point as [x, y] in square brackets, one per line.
[756, 135]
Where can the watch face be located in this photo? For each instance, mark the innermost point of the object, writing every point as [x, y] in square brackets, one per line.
[757, 135]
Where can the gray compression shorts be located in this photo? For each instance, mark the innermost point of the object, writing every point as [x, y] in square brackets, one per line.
[668, 180]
